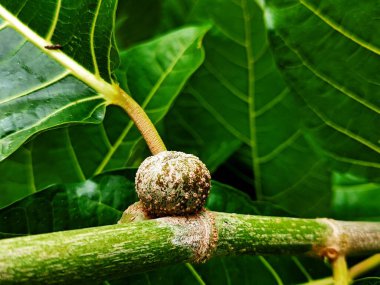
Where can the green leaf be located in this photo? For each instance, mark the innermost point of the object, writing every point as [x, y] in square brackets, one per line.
[177, 13]
[155, 72]
[355, 198]
[39, 86]
[244, 95]
[190, 128]
[94, 202]
[329, 52]
[367, 281]
[137, 21]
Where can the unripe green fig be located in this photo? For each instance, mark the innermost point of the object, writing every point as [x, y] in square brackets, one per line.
[173, 183]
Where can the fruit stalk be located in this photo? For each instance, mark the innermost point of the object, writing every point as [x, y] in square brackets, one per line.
[141, 120]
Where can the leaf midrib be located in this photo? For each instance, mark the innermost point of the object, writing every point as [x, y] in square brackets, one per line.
[325, 78]
[351, 36]
[108, 91]
[251, 99]
[328, 121]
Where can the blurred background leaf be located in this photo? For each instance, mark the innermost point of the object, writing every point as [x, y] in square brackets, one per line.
[355, 198]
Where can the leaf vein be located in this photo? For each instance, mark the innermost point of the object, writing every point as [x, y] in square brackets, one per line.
[3, 25]
[272, 103]
[92, 36]
[281, 147]
[271, 270]
[56, 112]
[331, 82]
[219, 117]
[228, 36]
[351, 36]
[302, 268]
[251, 98]
[54, 22]
[186, 126]
[97, 83]
[195, 274]
[36, 88]
[352, 160]
[226, 83]
[73, 155]
[344, 131]
[31, 171]
[297, 183]
[105, 135]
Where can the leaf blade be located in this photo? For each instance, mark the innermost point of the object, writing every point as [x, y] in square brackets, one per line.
[240, 86]
[27, 104]
[341, 90]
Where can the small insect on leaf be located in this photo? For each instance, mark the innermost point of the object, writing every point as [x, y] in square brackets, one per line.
[53, 47]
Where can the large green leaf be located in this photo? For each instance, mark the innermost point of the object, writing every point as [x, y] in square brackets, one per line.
[190, 128]
[355, 198]
[95, 202]
[102, 199]
[244, 95]
[137, 21]
[329, 52]
[39, 86]
[83, 28]
[155, 72]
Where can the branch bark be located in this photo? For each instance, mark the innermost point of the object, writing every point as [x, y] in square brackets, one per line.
[118, 250]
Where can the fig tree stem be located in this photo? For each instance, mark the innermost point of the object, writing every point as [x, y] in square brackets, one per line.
[117, 250]
[141, 120]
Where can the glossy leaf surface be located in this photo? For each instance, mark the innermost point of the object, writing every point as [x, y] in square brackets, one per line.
[329, 52]
[37, 91]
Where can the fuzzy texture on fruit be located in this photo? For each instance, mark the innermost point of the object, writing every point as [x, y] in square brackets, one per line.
[173, 183]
